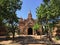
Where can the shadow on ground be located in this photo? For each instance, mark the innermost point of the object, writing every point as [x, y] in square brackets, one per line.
[27, 40]
[1, 44]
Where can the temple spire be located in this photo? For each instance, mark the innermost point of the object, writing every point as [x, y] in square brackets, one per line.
[29, 13]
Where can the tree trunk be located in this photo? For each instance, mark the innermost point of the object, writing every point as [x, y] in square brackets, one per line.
[13, 31]
[50, 35]
[13, 35]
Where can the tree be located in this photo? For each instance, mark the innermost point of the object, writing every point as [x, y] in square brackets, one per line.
[7, 12]
[36, 28]
[48, 11]
[9, 6]
[11, 24]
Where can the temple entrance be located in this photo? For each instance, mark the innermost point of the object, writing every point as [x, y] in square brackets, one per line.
[30, 31]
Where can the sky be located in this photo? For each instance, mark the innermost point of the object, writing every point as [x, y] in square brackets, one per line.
[28, 5]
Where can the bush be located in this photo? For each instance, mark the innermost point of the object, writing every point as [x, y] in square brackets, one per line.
[57, 38]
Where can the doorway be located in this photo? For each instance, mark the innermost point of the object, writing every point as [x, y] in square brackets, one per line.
[30, 31]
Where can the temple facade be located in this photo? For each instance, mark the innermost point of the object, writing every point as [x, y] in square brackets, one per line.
[25, 25]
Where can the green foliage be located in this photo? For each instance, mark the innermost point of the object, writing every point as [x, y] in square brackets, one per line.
[1, 18]
[57, 38]
[8, 10]
[46, 1]
[51, 25]
[9, 7]
[48, 11]
[36, 26]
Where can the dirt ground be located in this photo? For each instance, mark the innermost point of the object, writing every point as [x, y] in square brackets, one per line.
[27, 40]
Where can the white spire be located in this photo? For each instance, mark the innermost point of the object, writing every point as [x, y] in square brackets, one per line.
[29, 12]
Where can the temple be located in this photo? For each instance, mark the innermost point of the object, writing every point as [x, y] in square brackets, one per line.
[25, 25]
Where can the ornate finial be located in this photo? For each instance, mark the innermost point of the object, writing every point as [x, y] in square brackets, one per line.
[29, 13]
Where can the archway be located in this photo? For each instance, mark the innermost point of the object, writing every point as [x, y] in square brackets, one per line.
[30, 31]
